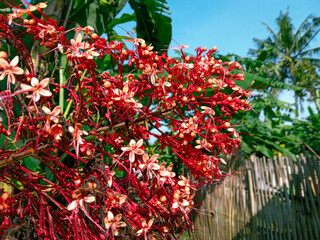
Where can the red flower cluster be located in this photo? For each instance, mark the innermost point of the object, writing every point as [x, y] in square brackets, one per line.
[95, 174]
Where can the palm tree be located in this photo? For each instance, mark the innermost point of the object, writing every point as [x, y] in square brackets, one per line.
[285, 51]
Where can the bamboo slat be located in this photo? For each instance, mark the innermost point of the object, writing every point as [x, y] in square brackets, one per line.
[275, 198]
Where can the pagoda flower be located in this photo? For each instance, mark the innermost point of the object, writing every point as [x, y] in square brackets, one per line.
[78, 44]
[184, 65]
[180, 47]
[166, 174]
[235, 134]
[32, 8]
[150, 164]
[10, 69]
[80, 202]
[180, 203]
[87, 29]
[203, 144]
[190, 126]
[208, 110]
[19, 11]
[121, 94]
[47, 29]
[113, 222]
[133, 149]
[145, 228]
[126, 95]
[152, 72]
[77, 139]
[56, 131]
[37, 88]
[222, 161]
[162, 82]
[110, 174]
[89, 54]
[53, 115]
[114, 199]
[185, 182]
[136, 41]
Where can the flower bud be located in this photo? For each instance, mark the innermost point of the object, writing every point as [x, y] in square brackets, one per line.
[3, 55]
[94, 36]
[163, 198]
[5, 196]
[107, 84]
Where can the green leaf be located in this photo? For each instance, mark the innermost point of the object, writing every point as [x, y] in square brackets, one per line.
[49, 174]
[152, 23]
[252, 119]
[98, 14]
[245, 147]
[17, 184]
[251, 81]
[265, 150]
[124, 18]
[31, 163]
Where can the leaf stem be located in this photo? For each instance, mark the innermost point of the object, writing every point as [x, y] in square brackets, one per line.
[71, 101]
[61, 92]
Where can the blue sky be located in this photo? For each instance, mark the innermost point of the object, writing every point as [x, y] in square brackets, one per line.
[230, 25]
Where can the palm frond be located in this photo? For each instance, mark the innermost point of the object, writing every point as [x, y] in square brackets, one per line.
[311, 52]
[274, 35]
[308, 35]
[312, 60]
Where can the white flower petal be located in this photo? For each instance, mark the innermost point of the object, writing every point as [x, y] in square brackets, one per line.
[73, 205]
[44, 92]
[14, 61]
[34, 81]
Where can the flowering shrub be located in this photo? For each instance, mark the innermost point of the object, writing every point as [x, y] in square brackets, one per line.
[84, 168]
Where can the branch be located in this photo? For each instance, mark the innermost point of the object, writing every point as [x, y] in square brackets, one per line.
[18, 156]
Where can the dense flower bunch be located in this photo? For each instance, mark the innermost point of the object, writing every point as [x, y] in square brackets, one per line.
[96, 174]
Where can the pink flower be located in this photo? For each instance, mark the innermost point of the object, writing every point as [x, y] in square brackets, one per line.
[135, 148]
[114, 222]
[191, 126]
[78, 44]
[203, 144]
[89, 54]
[53, 114]
[136, 41]
[10, 69]
[77, 133]
[110, 175]
[56, 131]
[127, 96]
[19, 12]
[152, 72]
[185, 182]
[180, 203]
[166, 174]
[180, 47]
[77, 139]
[145, 229]
[32, 8]
[208, 110]
[37, 88]
[80, 202]
[163, 84]
[150, 164]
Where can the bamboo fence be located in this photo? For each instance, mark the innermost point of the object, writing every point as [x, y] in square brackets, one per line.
[275, 198]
